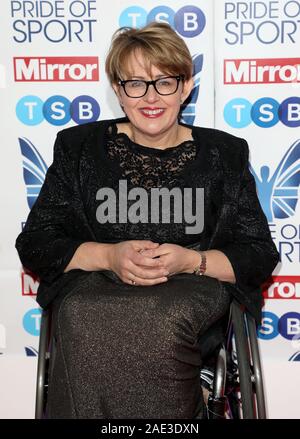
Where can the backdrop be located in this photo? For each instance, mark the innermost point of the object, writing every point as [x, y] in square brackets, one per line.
[247, 78]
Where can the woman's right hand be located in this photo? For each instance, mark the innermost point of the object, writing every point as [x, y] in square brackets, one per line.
[127, 261]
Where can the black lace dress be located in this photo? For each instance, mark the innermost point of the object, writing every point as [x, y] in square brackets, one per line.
[127, 351]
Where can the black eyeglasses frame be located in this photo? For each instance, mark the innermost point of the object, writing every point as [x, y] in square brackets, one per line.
[123, 83]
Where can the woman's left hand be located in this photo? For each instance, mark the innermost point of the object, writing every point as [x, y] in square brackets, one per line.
[175, 258]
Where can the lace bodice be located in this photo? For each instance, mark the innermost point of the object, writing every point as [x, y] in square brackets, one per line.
[143, 168]
[149, 167]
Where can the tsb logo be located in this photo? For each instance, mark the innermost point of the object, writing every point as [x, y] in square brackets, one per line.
[288, 326]
[265, 112]
[32, 321]
[188, 21]
[50, 69]
[57, 110]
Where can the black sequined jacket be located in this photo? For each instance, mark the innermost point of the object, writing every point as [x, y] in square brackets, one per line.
[62, 217]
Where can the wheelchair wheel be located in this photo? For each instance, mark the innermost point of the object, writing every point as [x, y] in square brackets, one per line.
[43, 365]
[246, 396]
[257, 369]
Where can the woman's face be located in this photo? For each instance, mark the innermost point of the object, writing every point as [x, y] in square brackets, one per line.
[153, 116]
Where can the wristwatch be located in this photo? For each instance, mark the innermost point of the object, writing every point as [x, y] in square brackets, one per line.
[200, 269]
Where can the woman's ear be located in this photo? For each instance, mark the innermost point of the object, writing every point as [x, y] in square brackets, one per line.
[186, 89]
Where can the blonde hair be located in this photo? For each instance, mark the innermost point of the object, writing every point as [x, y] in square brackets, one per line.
[160, 46]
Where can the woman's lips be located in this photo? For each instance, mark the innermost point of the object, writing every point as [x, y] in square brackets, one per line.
[152, 112]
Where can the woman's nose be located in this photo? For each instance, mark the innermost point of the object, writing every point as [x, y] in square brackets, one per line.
[151, 95]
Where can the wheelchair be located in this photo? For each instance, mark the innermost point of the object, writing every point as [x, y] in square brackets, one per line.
[237, 390]
[235, 379]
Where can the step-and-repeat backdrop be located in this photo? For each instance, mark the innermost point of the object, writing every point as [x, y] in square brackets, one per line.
[247, 81]
[257, 83]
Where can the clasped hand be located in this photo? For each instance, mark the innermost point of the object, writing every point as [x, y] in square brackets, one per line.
[143, 262]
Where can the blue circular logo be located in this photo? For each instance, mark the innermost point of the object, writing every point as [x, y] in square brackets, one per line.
[189, 21]
[237, 113]
[134, 16]
[264, 112]
[32, 321]
[162, 14]
[29, 110]
[269, 327]
[56, 110]
[289, 325]
[85, 109]
[289, 112]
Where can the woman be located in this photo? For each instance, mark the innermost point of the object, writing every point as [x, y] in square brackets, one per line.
[134, 277]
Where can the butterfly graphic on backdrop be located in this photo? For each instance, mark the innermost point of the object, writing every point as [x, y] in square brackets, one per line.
[34, 170]
[188, 113]
[295, 356]
[279, 193]
[31, 351]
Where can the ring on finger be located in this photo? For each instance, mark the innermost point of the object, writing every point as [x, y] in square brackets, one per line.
[133, 282]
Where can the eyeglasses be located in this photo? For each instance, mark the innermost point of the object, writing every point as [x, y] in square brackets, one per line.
[137, 88]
